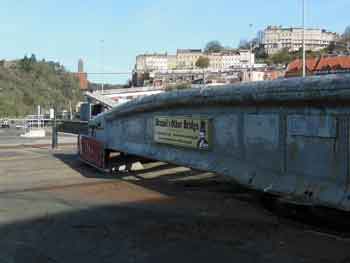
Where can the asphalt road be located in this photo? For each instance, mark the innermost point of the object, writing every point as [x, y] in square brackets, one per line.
[53, 208]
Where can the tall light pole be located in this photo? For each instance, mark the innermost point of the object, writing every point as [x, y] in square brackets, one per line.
[304, 51]
[250, 56]
[102, 61]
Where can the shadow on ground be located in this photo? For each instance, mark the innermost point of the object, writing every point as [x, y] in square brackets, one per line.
[135, 233]
[187, 222]
[122, 234]
[166, 178]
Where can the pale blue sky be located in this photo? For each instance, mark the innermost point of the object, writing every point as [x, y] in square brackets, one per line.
[66, 30]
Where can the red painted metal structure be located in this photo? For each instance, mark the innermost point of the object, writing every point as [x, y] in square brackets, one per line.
[91, 151]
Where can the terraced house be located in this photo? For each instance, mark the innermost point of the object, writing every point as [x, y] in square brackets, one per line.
[276, 38]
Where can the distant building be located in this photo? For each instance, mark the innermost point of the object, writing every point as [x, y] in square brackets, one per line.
[187, 58]
[162, 69]
[151, 62]
[231, 59]
[246, 58]
[176, 77]
[80, 65]
[83, 81]
[215, 61]
[248, 76]
[320, 66]
[262, 74]
[172, 62]
[9, 63]
[82, 76]
[276, 38]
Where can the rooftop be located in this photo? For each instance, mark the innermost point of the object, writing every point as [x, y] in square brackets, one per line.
[320, 64]
[153, 55]
[189, 51]
[297, 28]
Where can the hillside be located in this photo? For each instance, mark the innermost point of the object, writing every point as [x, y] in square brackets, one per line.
[26, 83]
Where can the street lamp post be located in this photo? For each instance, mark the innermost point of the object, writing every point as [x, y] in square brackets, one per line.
[304, 51]
[250, 56]
[102, 53]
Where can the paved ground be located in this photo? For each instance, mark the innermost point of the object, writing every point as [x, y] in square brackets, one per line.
[55, 209]
[11, 137]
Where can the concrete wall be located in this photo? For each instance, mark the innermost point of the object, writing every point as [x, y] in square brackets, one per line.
[287, 137]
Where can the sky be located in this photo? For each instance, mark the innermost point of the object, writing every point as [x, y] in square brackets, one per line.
[108, 34]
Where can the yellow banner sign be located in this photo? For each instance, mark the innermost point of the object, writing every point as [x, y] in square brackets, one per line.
[183, 131]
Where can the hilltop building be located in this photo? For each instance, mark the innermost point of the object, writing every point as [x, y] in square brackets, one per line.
[276, 38]
[151, 62]
[172, 62]
[162, 69]
[185, 59]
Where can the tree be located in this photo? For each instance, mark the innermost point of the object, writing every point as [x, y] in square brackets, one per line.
[260, 52]
[213, 46]
[282, 57]
[346, 35]
[32, 59]
[25, 64]
[331, 47]
[38, 83]
[244, 44]
[202, 62]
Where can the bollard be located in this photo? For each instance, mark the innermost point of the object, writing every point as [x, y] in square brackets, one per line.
[54, 133]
